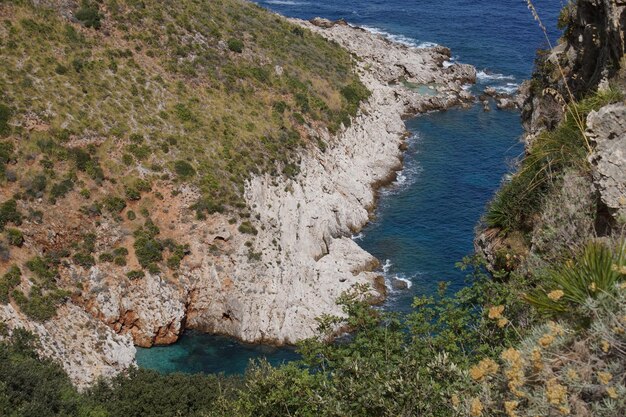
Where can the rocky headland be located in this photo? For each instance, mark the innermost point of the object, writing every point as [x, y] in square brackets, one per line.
[269, 283]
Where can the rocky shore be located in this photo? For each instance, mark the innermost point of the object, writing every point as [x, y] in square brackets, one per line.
[268, 285]
[307, 257]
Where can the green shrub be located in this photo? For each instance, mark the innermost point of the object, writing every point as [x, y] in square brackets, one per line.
[184, 169]
[184, 113]
[89, 15]
[121, 251]
[114, 204]
[106, 257]
[280, 106]
[120, 261]
[131, 215]
[254, 256]
[39, 306]
[132, 193]
[148, 249]
[127, 159]
[235, 45]
[354, 93]
[35, 185]
[596, 272]
[248, 228]
[178, 252]
[136, 138]
[61, 189]
[291, 170]
[140, 152]
[89, 242]
[5, 116]
[80, 158]
[61, 69]
[84, 259]
[207, 205]
[134, 275]
[153, 269]
[8, 281]
[6, 154]
[15, 237]
[44, 269]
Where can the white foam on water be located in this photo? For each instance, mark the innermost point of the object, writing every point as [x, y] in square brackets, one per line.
[424, 45]
[398, 277]
[357, 237]
[386, 266]
[285, 2]
[485, 76]
[404, 40]
[404, 178]
[509, 88]
[408, 282]
[400, 178]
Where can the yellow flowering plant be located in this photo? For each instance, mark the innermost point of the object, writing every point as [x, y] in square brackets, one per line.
[597, 271]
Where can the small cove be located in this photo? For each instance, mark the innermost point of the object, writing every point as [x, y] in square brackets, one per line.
[424, 222]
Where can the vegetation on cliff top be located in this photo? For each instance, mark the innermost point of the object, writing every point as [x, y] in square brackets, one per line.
[106, 103]
[551, 154]
[546, 340]
[482, 352]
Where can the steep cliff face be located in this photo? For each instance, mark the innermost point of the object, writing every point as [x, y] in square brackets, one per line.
[270, 286]
[574, 113]
[594, 42]
[307, 258]
[607, 130]
[589, 54]
[140, 212]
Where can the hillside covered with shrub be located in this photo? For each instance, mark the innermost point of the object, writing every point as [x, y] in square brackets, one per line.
[108, 104]
[540, 329]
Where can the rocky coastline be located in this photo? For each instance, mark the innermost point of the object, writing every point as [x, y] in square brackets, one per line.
[271, 285]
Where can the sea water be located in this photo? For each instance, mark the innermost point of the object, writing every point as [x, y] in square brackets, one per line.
[424, 223]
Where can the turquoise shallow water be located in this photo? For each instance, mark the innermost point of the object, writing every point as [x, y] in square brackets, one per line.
[456, 159]
[197, 352]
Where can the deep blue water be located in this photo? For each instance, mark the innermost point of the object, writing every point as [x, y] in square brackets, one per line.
[424, 223]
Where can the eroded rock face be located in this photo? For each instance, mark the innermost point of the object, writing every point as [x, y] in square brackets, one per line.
[86, 348]
[271, 287]
[590, 53]
[607, 129]
[264, 287]
[151, 310]
[306, 259]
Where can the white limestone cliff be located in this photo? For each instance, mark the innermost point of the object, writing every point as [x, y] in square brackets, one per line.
[269, 287]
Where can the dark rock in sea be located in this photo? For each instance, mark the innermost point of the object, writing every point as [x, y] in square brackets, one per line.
[491, 92]
[326, 24]
[398, 284]
[506, 103]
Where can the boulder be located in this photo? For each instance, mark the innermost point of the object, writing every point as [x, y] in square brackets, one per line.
[606, 129]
